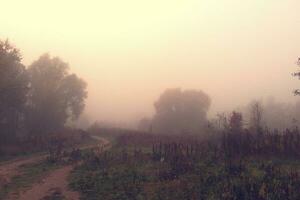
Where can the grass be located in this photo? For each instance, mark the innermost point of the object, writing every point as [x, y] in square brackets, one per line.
[5, 159]
[31, 173]
[27, 175]
[108, 177]
[56, 194]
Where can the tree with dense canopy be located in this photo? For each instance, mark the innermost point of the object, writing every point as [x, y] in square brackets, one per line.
[55, 96]
[13, 90]
[180, 111]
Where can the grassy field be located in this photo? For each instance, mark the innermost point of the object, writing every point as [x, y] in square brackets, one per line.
[37, 167]
[27, 175]
[137, 169]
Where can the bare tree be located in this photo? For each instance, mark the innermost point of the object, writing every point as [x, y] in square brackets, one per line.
[297, 91]
[256, 116]
[222, 121]
[236, 121]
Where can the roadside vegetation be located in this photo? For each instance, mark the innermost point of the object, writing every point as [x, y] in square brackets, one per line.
[235, 165]
[60, 152]
[27, 175]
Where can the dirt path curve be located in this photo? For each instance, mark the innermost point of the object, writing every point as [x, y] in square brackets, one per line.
[102, 141]
[56, 184]
[10, 168]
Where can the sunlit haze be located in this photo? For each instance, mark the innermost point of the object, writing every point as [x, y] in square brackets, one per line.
[130, 51]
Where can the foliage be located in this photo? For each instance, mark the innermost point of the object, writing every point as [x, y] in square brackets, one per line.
[297, 74]
[236, 121]
[181, 111]
[256, 116]
[28, 174]
[55, 95]
[192, 168]
[35, 101]
[13, 91]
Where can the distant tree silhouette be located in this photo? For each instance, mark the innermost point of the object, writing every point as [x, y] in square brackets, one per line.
[256, 116]
[144, 124]
[236, 122]
[55, 96]
[13, 90]
[297, 74]
[181, 111]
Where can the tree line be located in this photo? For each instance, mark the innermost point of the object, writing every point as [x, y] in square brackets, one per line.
[38, 99]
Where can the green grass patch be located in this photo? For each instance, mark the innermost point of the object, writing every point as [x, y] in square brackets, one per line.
[119, 174]
[27, 175]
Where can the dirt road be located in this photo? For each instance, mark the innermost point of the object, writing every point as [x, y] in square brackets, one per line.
[54, 186]
[10, 169]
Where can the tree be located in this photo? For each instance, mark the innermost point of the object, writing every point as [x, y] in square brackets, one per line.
[144, 124]
[236, 122]
[13, 90]
[297, 91]
[220, 121]
[181, 111]
[279, 115]
[55, 96]
[256, 116]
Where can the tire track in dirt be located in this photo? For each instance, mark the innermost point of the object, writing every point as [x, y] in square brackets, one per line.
[10, 169]
[56, 183]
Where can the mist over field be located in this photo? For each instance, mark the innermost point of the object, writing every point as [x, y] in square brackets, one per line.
[130, 52]
[156, 100]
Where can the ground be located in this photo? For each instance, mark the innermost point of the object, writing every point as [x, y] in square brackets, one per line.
[50, 182]
[9, 169]
[55, 184]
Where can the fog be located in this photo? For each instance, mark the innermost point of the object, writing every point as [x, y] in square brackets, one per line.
[129, 52]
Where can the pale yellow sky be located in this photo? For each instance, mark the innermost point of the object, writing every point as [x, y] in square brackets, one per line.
[130, 51]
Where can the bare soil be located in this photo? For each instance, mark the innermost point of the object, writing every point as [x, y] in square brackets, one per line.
[54, 186]
[10, 169]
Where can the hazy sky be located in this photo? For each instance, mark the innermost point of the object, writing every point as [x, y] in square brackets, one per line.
[129, 51]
